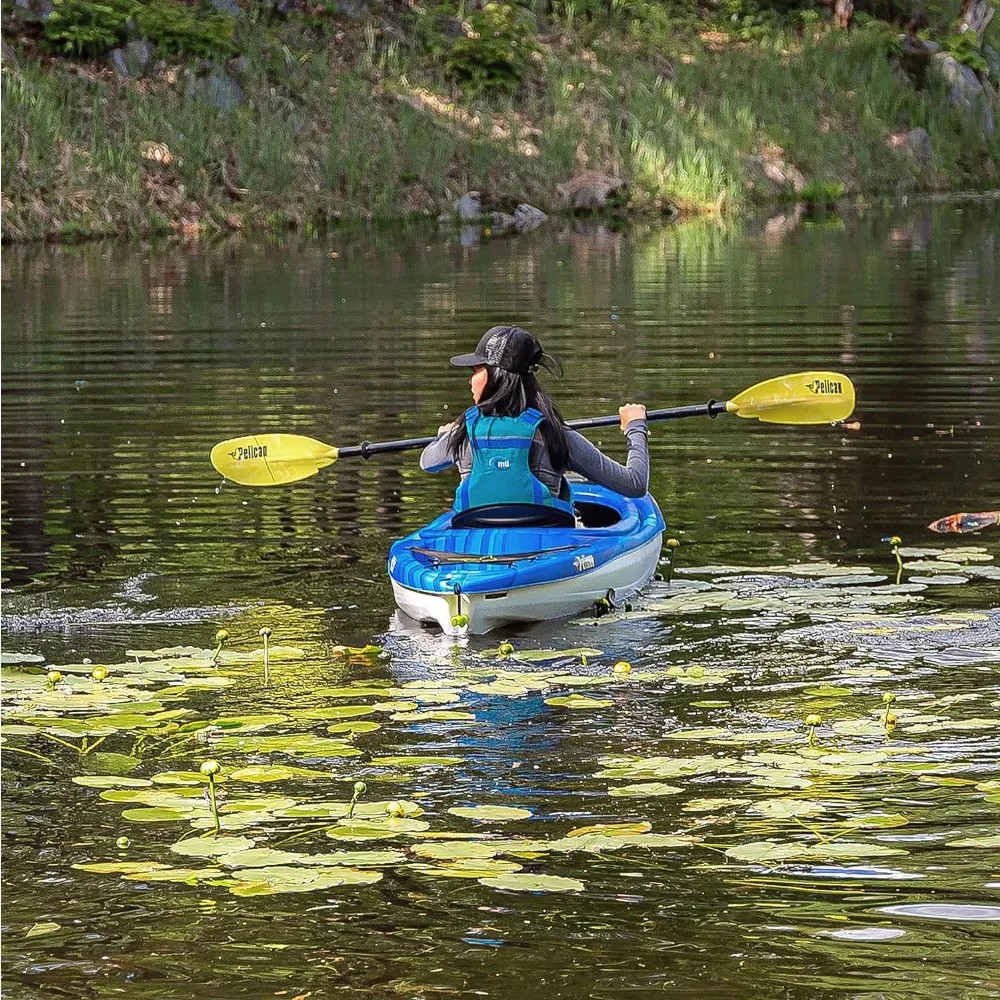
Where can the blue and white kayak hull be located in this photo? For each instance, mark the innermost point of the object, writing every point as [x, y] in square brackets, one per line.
[498, 577]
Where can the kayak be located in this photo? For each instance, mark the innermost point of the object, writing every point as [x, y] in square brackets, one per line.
[473, 580]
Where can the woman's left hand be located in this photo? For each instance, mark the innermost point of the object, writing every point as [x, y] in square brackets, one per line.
[630, 412]
[446, 428]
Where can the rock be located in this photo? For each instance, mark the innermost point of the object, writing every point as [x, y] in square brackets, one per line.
[915, 56]
[965, 89]
[664, 66]
[33, 10]
[468, 208]
[230, 7]
[216, 88]
[768, 171]
[527, 218]
[134, 60]
[450, 27]
[501, 222]
[916, 142]
[239, 69]
[976, 17]
[992, 58]
[589, 191]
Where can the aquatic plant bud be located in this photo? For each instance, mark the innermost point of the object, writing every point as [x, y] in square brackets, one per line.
[888, 698]
[99, 674]
[210, 768]
[395, 809]
[123, 843]
[222, 635]
[459, 621]
[895, 540]
[265, 633]
[53, 677]
[813, 719]
[622, 667]
[505, 649]
[360, 788]
[672, 543]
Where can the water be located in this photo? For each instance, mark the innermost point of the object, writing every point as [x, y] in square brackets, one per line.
[122, 366]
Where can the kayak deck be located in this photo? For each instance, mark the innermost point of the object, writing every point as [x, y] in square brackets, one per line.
[527, 574]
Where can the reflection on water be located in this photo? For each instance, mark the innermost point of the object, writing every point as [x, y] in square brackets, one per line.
[839, 864]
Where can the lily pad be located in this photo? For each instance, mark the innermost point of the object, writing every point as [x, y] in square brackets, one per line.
[646, 788]
[525, 882]
[42, 929]
[263, 773]
[288, 878]
[578, 701]
[786, 808]
[110, 781]
[496, 814]
[210, 847]
[119, 867]
[156, 814]
[992, 840]
[434, 715]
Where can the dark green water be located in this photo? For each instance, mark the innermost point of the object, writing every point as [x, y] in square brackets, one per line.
[122, 367]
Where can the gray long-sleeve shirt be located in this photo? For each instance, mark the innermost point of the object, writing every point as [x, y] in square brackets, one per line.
[585, 459]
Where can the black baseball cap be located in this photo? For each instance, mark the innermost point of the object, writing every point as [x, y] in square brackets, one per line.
[507, 347]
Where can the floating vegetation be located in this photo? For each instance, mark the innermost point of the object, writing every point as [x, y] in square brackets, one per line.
[346, 785]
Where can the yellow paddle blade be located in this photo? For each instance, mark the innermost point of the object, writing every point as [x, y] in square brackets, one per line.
[802, 398]
[271, 459]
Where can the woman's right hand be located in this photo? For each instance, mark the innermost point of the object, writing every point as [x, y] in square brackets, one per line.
[630, 412]
[446, 428]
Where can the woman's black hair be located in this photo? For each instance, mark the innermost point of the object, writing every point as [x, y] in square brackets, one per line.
[509, 394]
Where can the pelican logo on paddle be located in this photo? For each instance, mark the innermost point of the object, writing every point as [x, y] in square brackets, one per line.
[825, 387]
[244, 452]
[580, 563]
[500, 464]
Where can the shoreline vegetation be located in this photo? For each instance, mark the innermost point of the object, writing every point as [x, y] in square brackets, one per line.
[192, 117]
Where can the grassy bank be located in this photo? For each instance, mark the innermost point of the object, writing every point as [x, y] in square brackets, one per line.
[374, 116]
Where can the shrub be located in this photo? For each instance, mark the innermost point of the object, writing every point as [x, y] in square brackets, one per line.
[87, 30]
[496, 55]
[84, 29]
[175, 29]
[964, 47]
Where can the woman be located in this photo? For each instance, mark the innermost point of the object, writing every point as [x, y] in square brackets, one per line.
[512, 417]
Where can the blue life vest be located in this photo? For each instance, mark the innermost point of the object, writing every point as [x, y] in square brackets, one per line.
[500, 471]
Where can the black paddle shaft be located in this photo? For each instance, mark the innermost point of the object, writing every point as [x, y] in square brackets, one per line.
[367, 448]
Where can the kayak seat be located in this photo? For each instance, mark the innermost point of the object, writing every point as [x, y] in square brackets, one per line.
[513, 515]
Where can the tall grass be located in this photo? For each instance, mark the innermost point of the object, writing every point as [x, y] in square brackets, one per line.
[320, 137]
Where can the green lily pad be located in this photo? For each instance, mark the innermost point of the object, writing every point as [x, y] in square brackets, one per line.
[42, 929]
[110, 781]
[185, 778]
[355, 726]
[496, 814]
[261, 857]
[578, 701]
[287, 878]
[210, 847]
[248, 723]
[987, 841]
[395, 706]
[705, 733]
[376, 829]
[264, 773]
[188, 875]
[646, 788]
[337, 712]
[472, 868]
[156, 814]
[525, 882]
[299, 744]
[786, 808]
[359, 859]
[369, 691]
[119, 867]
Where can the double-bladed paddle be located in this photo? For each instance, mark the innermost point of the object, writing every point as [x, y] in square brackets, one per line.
[277, 459]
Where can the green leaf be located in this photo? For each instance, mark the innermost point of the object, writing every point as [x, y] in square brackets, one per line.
[210, 847]
[646, 788]
[525, 882]
[41, 929]
[496, 814]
